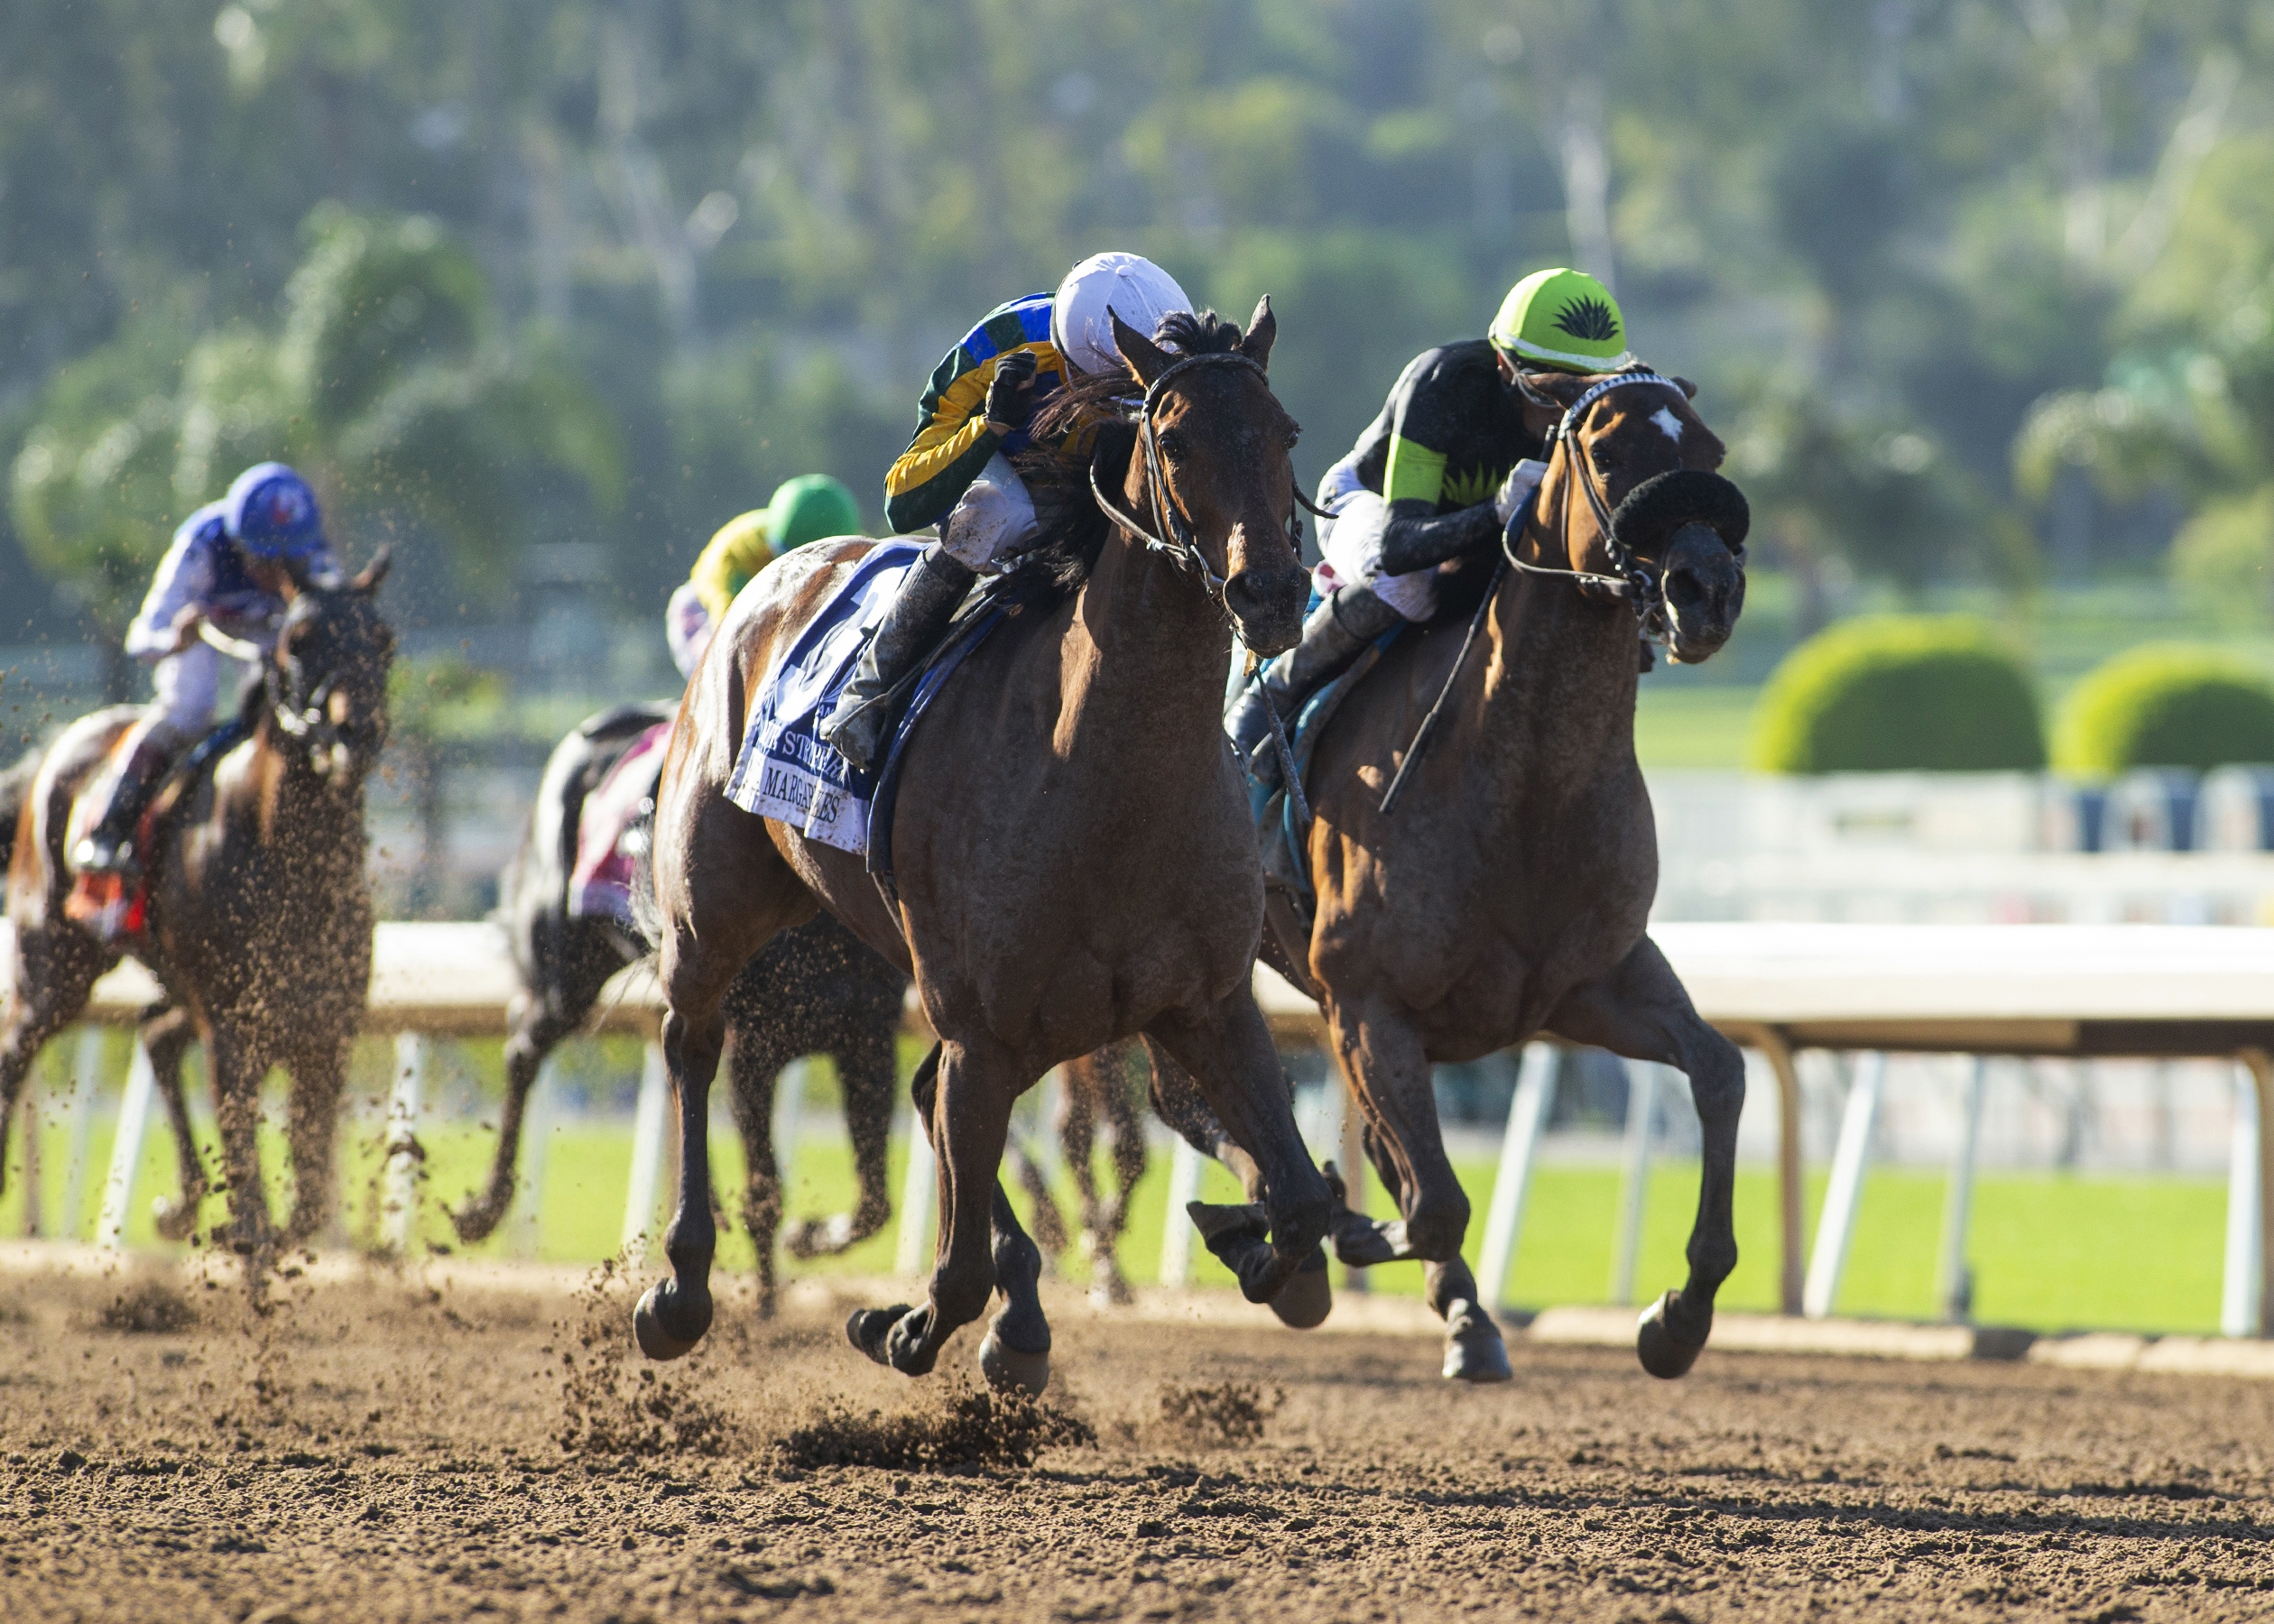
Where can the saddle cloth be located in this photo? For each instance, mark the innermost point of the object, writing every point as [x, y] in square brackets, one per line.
[611, 834]
[784, 770]
[106, 903]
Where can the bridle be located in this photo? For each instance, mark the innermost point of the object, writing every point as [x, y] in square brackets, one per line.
[1635, 582]
[1183, 548]
[306, 720]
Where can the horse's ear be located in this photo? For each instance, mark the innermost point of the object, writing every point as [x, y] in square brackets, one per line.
[367, 579]
[1139, 353]
[1263, 328]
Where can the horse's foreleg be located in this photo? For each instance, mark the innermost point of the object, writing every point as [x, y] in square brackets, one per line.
[236, 1105]
[1641, 1010]
[754, 1067]
[312, 1126]
[1227, 1049]
[166, 1037]
[968, 1105]
[539, 1023]
[674, 1315]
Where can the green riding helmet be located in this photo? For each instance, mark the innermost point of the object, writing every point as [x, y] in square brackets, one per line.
[809, 507]
[1564, 319]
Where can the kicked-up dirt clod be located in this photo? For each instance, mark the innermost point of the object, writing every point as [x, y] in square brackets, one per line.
[388, 1449]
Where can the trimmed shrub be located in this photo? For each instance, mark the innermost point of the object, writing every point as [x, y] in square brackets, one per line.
[2166, 704]
[1900, 693]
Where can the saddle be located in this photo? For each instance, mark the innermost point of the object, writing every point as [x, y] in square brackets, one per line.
[614, 830]
[105, 902]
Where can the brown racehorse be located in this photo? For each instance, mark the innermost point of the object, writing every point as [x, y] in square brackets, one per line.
[1507, 891]
[259, 923]
[1074, 856]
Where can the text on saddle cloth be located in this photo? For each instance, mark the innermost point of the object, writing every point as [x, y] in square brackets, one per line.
[784, 769]
[600, 886]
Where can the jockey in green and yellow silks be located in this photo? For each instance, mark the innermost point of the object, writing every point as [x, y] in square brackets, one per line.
[809, 508]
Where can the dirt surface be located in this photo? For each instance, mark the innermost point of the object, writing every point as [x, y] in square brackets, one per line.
[387, 1451]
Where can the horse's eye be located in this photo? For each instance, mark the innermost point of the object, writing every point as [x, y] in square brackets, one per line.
[1605, 458]
[1173, 443]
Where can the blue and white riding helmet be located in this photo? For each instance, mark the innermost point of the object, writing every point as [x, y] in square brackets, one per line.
[271, 513]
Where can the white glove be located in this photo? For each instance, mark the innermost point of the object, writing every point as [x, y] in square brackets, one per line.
[1516, 490]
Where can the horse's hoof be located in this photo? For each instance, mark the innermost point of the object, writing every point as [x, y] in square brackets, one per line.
[176, 1219]
[1474, 1348]
[1663, 1354]
[1008, 1371]
[473, 1223]
[647, 1325]
[1306, 1299]
[870, 1329]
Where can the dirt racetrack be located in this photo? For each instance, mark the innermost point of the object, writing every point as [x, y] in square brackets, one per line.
[379, 1449]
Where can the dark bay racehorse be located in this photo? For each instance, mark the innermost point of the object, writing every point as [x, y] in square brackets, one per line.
[1507, 893]
[1074, 857]
[259, 922]
[814, 990]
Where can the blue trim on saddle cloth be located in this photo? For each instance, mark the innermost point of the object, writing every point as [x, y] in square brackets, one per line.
[784, 770]
[1269, 804]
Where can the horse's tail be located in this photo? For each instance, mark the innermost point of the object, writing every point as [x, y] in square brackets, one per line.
[15, 794]
[647, 914]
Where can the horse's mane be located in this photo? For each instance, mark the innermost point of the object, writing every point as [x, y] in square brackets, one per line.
[1100, 411]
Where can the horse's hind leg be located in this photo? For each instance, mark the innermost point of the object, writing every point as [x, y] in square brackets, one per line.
[754, 1067]
[312, 1124]
[865, 1077]
[1093, 1079]
[1120, 1103]
[1641, 1010]
[166, 1037]
[53, 974]
[965, 1100]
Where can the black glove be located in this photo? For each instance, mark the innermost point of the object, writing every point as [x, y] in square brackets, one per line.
[1010, 392]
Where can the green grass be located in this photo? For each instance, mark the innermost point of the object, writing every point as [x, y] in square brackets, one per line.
[1699, 726]
[2052, 1252]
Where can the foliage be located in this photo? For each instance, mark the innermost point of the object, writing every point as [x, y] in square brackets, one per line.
[1899, 694]
[2166, 704]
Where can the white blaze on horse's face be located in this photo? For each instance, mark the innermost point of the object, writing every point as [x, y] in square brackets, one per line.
[1668, 424]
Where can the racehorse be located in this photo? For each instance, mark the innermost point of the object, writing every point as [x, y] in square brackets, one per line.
[814, 990]
[1074, 860]
[1506, 891]
[258, 915]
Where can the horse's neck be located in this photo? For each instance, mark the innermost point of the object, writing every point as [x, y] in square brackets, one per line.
[1559, 681]
[1152, 687]
[300, 813]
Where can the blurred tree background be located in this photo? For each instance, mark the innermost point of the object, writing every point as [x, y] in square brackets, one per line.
[1982, 291]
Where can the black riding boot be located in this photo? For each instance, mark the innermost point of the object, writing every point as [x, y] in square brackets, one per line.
[1337, 633]
[914, 624]
[143, 758]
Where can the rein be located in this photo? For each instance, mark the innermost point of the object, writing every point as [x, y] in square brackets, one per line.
[306, 723]
[1184, 549]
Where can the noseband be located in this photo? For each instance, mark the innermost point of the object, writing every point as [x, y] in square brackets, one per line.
[1183, 549]
[1635, 582]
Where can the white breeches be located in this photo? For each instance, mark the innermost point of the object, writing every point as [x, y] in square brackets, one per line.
[993, 521]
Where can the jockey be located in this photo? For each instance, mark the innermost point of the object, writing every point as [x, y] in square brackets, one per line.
[805, 508]
[1437, 475]
[228, 564]
[956, 472]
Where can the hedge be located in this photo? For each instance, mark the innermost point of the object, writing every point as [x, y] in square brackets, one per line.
[1900, 693]
[2166, 704]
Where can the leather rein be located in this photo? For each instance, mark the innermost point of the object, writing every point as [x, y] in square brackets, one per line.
[307, 722]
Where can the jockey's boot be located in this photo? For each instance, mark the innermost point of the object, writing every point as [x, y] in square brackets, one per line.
[108, 845]
[1337, 633]
[914, 623]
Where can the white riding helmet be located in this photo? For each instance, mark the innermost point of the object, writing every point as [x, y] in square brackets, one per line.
[1135, 289]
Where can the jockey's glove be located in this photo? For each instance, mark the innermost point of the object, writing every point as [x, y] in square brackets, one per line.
[1010, 392]
[1515, 493]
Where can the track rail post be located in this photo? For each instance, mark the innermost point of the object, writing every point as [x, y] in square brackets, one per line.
[86, 1081]
[1634, 1181]
[1520, 1150]
[126, 1148]
[1790, 1228]
[2262, 1073]
[648, 1134]
[537, 1126]
[1955, 1278]
[1835, 1228]
[400, 1203]
[1176, 1229]
[920, 1193]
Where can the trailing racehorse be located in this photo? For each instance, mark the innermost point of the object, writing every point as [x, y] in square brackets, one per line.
[1506, 891]
[1104, 1085]
[258, 920]
[1073, 858]
[814, 990]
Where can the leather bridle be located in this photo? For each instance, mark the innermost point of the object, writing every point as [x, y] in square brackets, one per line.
[306, 719]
